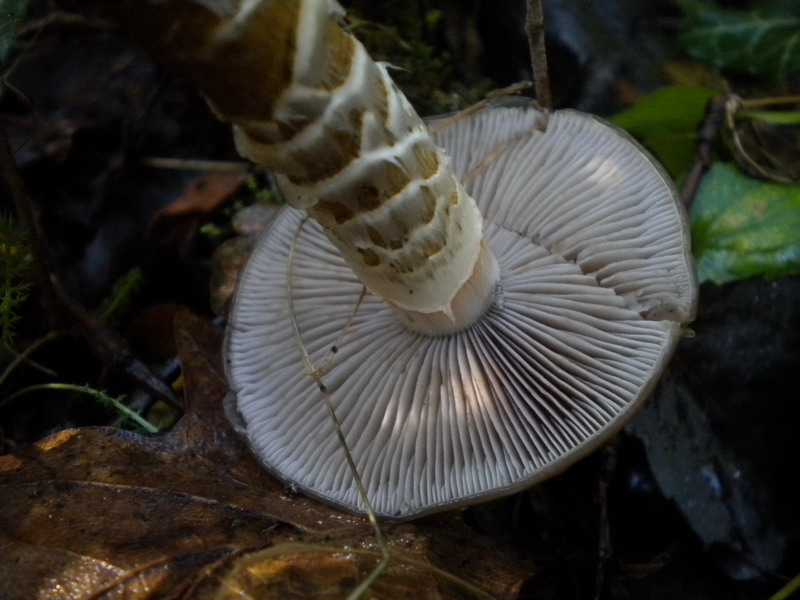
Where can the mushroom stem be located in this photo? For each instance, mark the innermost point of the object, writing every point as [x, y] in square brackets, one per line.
[469, 304]
[351, 151]
[307, 101]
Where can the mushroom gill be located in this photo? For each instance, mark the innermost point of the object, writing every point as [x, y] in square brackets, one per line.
[596, 281]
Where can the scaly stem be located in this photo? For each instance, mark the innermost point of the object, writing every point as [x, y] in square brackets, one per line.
[354, 154]
[307, 101]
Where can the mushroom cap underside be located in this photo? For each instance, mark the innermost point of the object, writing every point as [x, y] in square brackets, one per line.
[596, 280]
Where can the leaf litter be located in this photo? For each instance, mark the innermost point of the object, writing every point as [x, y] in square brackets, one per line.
[97, 512]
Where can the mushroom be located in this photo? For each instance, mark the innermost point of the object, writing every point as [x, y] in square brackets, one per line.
[528, 274]
[596, 280]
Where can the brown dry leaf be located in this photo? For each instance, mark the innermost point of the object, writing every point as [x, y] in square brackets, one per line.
[227, 261]
[176, 223]
[203, 196]
[232, 254]
[103, 513]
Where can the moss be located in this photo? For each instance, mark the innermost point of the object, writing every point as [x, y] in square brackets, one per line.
[14, 288]
[410, 38]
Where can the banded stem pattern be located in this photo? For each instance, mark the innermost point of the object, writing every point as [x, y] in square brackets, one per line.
[349, 149]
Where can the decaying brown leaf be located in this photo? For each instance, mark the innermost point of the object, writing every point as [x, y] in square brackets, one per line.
[232, 254]
[103, 513]
[203, 196]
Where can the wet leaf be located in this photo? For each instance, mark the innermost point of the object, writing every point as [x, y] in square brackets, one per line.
[742, 227]
[227, 261]
[764, 42]
[668, 122]
[231, 255]
[11, 13]
[203, 196]
[103, 513]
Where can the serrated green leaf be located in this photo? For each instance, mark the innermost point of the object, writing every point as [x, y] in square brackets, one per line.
[667, 122]
[11, 13]
[764, 42]
[743, 227]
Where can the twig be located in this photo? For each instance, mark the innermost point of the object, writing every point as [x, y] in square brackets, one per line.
[787, 590]
[534, 26]
[605, 549]
[25, 355]
[193, 164]
[709, 132]
[114, 351]
[59, 306]
[733, 105]
[760, 102]
[494, 96]
[316, 372]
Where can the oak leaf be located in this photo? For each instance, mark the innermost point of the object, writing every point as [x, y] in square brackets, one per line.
[104, 513]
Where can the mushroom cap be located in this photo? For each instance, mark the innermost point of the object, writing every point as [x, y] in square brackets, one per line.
[596, 280]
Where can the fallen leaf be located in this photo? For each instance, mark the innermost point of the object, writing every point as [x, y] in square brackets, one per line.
[668, 123]
[745, 227]
[230, 257]
[203, 196]
[227, 261]
[151, 333]
[105, 513]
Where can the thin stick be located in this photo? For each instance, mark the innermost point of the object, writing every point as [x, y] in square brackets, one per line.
[732, 107]
[113, 350]
[534, 26]
[709, 132]
[25, 355]
[193, 164]
[315, 372]
[604, 545]
[514, 88]
[59, 305]
[759, 102]
[301, 548]
[787, 590]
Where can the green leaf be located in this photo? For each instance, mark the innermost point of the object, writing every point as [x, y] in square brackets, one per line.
[11, 13]
[764, 42]
[667, 122]
[742, 227]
